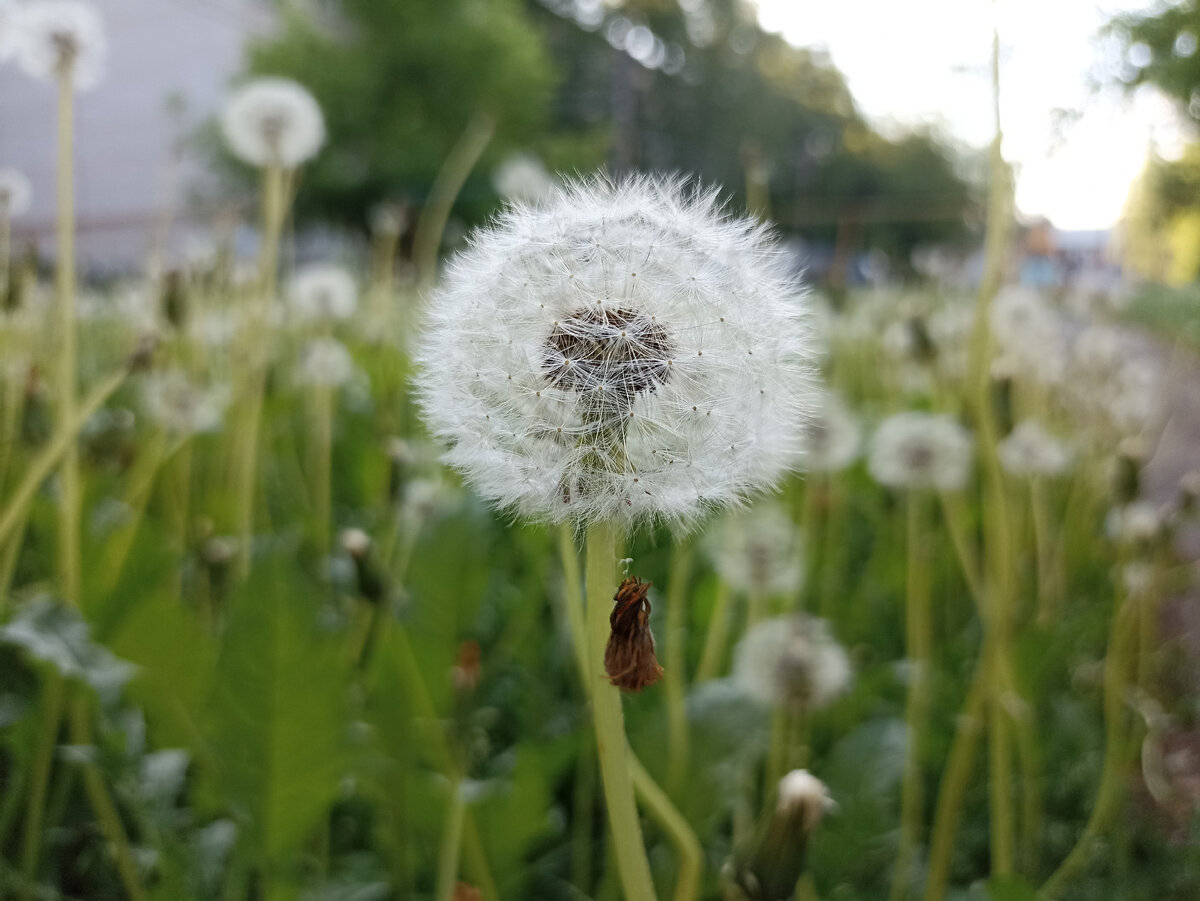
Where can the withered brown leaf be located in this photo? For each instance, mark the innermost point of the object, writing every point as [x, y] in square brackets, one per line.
[629, 657]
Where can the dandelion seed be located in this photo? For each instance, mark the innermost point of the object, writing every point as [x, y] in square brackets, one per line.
[273, 121]
[56, 36]
[545, 296]
[920, 450]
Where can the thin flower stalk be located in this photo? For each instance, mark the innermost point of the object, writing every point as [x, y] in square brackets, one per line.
[716, 637]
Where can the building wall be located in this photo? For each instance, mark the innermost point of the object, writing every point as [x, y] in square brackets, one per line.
[170, 63]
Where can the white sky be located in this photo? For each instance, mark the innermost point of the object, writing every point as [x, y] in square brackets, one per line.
[927, 61]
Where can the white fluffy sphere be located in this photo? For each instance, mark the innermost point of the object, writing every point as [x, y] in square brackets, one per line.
[624, 352]
[273, 120]
[15, 192]
[921, 450]
[322, 292]
[54, 33]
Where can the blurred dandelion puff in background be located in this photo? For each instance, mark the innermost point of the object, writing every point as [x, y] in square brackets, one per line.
[322, 292]
[921, 450]
[15, 193]
[273, 121]
[53, 34]
[624, 352]
[793, 663]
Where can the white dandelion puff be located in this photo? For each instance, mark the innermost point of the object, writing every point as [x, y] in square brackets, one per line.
[622, 352]
[920, 450]
[1138, 522]
[1029, 450]
[522, 178]
[832, 437]
[322, 292]
[273, 121]
[1028, 337]
[758, 551]
[15, 193]
[792, 662]
[172, 400]
[58, 35]
[324, 362]
[10, 13]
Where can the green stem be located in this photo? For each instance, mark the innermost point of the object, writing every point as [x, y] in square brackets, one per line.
[675, 681]
[53, 699]
[322, 464]
[53, 453]
[919, 642]
[448, 853]
[103, 805]
[446, 187]
[70, 579]
[953, 788]
[671, 821]
[1108, 797]
[717, 637]
[611, 748]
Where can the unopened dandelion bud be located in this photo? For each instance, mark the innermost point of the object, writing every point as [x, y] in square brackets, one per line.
[368, 579]
[770, 867]
[468, 669]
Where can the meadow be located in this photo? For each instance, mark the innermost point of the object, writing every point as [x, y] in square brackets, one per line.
[259, 641]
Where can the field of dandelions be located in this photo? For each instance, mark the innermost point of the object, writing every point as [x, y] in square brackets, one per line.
[293, 562]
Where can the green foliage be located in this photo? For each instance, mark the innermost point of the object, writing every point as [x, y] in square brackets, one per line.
[277, 720]
[398, 82]
[1166, 53]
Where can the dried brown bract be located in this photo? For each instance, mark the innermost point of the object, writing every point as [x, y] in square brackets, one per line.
[629, 658]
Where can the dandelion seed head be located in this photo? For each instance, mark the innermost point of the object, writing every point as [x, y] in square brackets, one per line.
[324, 362]
[522, 178]
[920, 450]
[172, 400]
[1029, 450]
[758, 551]
[1138, 522]
[54, 34]
[15, 193]
[622, 352]
[792, 662]
[322, 292]
[273, 121]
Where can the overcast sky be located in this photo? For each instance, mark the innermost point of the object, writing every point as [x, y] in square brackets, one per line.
[926, 61]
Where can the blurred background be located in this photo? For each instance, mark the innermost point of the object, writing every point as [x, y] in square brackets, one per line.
[861, 131]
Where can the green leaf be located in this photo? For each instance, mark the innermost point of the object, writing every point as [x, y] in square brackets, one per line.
[52, 633]
[278, 721]
[176, 663]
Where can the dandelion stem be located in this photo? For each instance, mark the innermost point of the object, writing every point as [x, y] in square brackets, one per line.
[919, 643]
[717, 635]
[53, 698]
[1108, 797]
[687, 846]
[70, 490]
[448, 853]
[446, 187]
[611, 748]
[675, 681]
[954, 784]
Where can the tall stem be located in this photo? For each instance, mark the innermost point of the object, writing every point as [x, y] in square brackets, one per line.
[611, 748]
[717, 636]
[675, 681]
[69, 500]
[919, 641]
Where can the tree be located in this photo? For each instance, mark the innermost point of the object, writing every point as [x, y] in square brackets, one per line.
[1161, 50]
